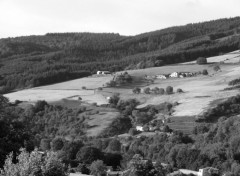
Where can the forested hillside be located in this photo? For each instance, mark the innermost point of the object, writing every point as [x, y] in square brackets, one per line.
[39, 60]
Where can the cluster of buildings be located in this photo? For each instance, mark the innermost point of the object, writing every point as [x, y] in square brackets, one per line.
[172, 75]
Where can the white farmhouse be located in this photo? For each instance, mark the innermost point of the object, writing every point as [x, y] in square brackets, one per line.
[174, 75]
[103, 72]
[139, 128]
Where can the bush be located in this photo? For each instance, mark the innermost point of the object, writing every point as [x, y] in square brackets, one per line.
[179, 90]
[205, 72]
[155, 90]
[146, 90]
[136, 90]
[201, 60]
[234, 82]
[84, 88]
[169, 90]
[111, 84]
[216, 68]
[161, 91]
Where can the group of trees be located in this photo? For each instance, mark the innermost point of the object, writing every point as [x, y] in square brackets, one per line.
[156, 90]
[120, 79]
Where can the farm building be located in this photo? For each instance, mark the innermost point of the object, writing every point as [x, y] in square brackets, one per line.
[186, 74]
[139, 128]
[208, 171]
[103, 72]
[161, 76]
[174, 75]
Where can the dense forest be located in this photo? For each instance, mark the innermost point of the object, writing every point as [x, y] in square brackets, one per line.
[211, 143]
[39, 60]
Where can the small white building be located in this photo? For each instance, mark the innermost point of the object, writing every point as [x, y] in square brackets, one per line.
[174, 75]
[103, 72]
[139, 128]
[208, 171]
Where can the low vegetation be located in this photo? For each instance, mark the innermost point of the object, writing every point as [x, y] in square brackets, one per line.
[201, 60]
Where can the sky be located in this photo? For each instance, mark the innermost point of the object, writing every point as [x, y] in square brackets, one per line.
[127, 17]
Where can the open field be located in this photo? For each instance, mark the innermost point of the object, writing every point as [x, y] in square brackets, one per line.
[199, 92]
[66, 90]
[98, 119]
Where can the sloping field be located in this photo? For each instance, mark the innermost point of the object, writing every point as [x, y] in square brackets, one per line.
[70, 90]
[199, 91]
[77, 84]
[99, 121]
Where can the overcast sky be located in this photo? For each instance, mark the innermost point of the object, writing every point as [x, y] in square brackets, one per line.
[127, 17]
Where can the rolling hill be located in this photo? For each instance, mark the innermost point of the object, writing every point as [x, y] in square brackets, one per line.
[32, 61]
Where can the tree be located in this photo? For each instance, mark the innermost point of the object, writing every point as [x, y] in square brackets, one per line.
[87, 155]
[112, 83]
[40, 105]
[161, 91]
[57, 144]
[156, 90]
[34, 163]
[201, 60]
[98, 168]
[114, 145]
[216, 68]
[114, 99]
[205, 72]
[136, 90]
[146, 90]
[45, 144]
[169, 90]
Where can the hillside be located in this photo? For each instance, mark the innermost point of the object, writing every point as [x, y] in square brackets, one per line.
[56, 57]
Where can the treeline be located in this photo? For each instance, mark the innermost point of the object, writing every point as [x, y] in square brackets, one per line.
[79, 52]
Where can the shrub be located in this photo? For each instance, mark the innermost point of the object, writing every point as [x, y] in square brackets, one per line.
[111, 84]
[155, 90]
[201, 60]
[234, 82]
[179, 90]
[146, 90]
[205, 72]
[169, 90]
[216, 68]
[84, 88]
[161, 91]
[136, 90]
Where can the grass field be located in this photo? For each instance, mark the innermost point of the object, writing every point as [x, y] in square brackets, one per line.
[65, 90]
[199, 92]
[98, 118]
